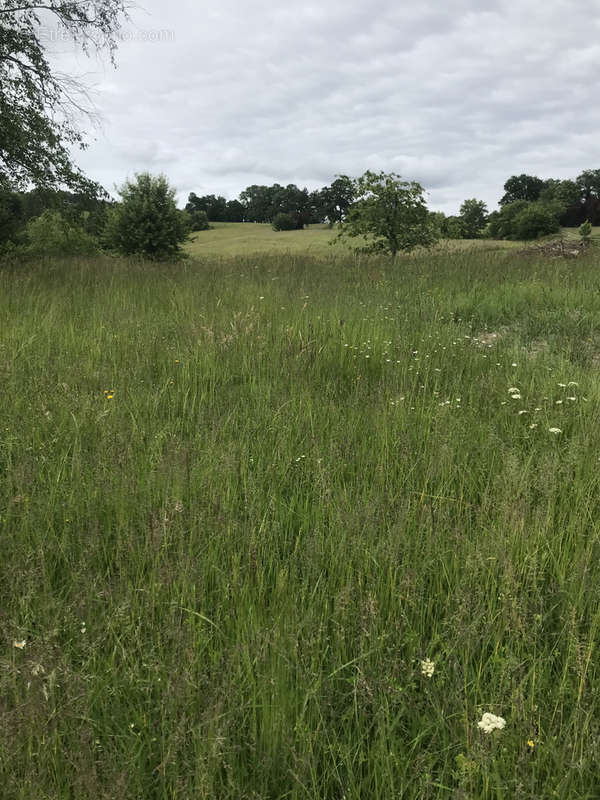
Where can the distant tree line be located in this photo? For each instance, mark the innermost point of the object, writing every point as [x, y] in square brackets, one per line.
[258, 203]
[380, 207]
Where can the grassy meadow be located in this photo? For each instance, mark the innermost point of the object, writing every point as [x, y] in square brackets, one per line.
[244, 238]
[245, 501]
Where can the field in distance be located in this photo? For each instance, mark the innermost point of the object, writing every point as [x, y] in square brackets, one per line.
[244, 238]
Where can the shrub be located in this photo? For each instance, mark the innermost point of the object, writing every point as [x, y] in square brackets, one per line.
[198, 220]
[284, 222]
[534, 221]
[51, 234]
[585, 231]
[147, 221]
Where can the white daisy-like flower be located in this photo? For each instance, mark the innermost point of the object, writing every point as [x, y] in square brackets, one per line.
[20, 645]
[427, 668]
[490, 722]
[562, 385]
[516, 396]
[523, 411]
[572, 399]
[513, 389]
[554, 430]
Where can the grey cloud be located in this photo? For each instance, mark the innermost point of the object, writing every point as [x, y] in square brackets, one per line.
[458, 95]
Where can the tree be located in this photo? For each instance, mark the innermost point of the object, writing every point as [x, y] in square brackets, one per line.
[388, 213]
[37, 105]
[147, 221]
[284, 222]
[589, 185]
[534, 221]
[521, 187]
[335, 200]
[523, 220]
[197, 219]
[234, 211]
[51, 234]
[473, 215]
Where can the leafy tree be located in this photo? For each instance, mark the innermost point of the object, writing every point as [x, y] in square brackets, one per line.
[197, 220]
[454, 228]
[389, 214]
[36, 103]
[589, 185]
[534, 221]
[51, 234]
[522, 220]
[501, 223]
[284, 222]
[12, 216]
[258, 203]
[473, 215]
[147, 221]
[215, 208]
[335, 200]
[234, 211]
[522, 187]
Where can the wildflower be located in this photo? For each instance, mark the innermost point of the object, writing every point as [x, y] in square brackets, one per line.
[554, 430]
[530, 743]
[513, 389]
[533, 425]
[559, 402]
[490, 722]
[572, 399]
[562, 385]
[20, 645]
[514, 364]
[427, 668]
[523, 411]
[515, 396]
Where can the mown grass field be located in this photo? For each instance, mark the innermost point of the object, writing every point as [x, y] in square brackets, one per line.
[242, 500]
[247, 238]
[244, 238]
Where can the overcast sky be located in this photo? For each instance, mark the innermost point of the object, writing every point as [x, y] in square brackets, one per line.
[457, 94]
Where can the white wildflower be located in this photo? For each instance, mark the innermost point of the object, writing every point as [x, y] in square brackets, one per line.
[20, 645]
[513, 389]
[490, 722]
[523, 411]
[562, 385]
[516, 396]
[572, 399]
[554, 430]
[427, 668]
[533, 425]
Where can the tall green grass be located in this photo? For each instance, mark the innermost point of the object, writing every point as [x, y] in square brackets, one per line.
[242, 500]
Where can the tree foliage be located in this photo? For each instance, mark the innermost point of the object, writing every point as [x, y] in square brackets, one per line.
[53, 235]
[521, 187]
[37, 106]
[284, 222]
[389, 214]
[147, 221]
[522, 220]
[473, 216]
